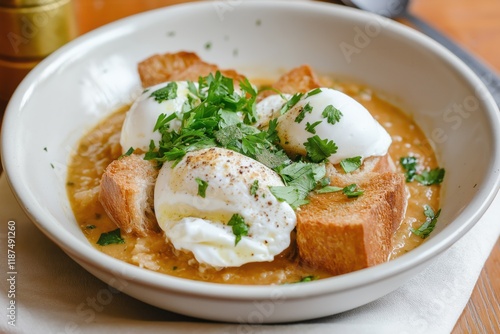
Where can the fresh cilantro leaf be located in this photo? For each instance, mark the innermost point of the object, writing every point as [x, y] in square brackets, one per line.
[352, 191]
[254, 187]
[307, 279]
[313, 92]
[202, 187]
[318, 149]
[311, 127]
[307, 109]
[112, 237]
[248, 88]
[434, 176]
[228, 118]
[126, 154]
[291, 103]
[272, 132]
[163, 120]
[298, 170]
[430, 223]
[290, 194]
[426, 177]
[409, 164]
[169, 92]
[324, 182]
[300, 179]
[240, 228]
[351, 164]
[329, 189]
[272, 159]
[229, 136]
[331, 114]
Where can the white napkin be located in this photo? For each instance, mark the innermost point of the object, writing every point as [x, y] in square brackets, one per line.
[55, 295]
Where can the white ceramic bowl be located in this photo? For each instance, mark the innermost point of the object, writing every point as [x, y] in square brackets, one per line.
[78, 85]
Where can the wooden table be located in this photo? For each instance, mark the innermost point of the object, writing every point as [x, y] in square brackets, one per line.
[475, 24]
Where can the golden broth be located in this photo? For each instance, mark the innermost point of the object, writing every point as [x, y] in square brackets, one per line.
[101, 146]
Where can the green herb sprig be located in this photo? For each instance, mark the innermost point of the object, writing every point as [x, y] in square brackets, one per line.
[430, 223]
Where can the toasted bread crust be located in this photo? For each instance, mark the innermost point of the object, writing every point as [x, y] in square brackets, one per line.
[370, 165]
[342, 235]
[178, 66]
[298, 80]
[126, 194]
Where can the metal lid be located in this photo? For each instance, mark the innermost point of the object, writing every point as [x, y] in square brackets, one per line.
[24, 3]
[35, 32]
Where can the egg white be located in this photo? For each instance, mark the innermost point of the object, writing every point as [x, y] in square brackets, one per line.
[137, 131]
[356, 134]
[199, 224]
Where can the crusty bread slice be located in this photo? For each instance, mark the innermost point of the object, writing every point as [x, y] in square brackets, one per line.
[158, 68]
[298, 80]
[178, 66]
[374, 164]
[341, 234]
[126, 193]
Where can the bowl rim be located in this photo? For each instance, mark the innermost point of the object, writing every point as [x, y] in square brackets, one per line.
[92, 257]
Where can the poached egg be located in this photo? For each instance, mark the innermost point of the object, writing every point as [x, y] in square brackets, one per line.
[137, 131]
[235, 184]
[338, 117]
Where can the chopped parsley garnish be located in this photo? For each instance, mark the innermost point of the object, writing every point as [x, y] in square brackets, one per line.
[311, 127]
[313, 92]
[254, 187]
[426, 177]
[351, 191]
[112, 237]
[331, 114]
[291, 102]
[329, 189]
[240, 228]
[302, 113]
[126, 154]
[319, 149]
[430, 177]
[90, 227]
[202, 187]
[169, 92]
[409, 164]
[430, 223]
[351, 164]
[300, 179]
[307, 279]
[218, 116]
[163, 120]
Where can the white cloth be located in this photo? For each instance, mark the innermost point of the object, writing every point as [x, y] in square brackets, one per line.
[55, 295]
